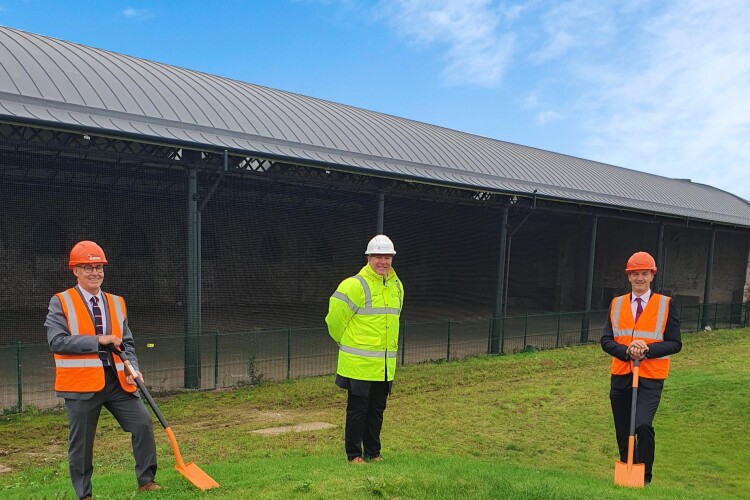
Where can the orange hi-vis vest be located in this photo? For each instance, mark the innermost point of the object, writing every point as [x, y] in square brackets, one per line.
[85, 372]
[650, 328]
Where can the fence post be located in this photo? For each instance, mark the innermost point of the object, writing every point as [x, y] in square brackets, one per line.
[716, 315]
[557, 341]
[489, 335]
[448, 354]
[502, 335]
[525, 329]
[288, 353]
[19, 379]
[731, 315]
[403, 342]
[216, 359]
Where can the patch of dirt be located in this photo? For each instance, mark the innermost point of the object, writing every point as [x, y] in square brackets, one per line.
[4, 469]
[240, 416]
[311, 426]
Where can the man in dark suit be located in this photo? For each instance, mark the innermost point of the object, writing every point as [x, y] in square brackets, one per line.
[641, 325]
[83, 323]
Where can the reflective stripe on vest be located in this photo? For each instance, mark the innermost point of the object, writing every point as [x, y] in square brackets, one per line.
[85, 363]
[368, 354]
[368, 309]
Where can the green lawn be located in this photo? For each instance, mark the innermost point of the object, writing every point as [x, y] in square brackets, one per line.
[530, 425]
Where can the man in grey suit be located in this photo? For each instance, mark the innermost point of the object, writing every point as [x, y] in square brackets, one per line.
[82, 324]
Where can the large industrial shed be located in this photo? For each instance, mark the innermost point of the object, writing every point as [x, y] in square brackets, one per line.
[229, 207]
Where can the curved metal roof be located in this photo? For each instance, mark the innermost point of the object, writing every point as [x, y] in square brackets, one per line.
[69, 85]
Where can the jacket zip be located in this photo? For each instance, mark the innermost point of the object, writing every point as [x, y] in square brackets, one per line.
[385, 353]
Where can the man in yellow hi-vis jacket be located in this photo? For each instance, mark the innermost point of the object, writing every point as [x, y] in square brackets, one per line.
[363, 318]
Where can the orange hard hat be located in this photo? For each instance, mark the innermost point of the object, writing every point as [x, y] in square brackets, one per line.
[86, 252]
[641, 261]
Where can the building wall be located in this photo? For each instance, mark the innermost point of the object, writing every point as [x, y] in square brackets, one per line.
[273, 253]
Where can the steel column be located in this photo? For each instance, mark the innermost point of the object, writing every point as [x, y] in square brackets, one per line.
[497, 318]
[193, 284]
[709, 276]
[381, 212]
[659, 284]
[589, 282]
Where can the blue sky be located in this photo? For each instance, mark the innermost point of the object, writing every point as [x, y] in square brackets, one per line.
[660, 86]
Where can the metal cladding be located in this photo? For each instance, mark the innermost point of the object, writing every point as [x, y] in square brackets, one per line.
[50, 82]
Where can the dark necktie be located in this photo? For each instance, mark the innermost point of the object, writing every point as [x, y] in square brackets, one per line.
[638, 309]
[99, 328]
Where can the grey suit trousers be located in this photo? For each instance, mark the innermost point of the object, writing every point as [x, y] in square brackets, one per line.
[128, 410]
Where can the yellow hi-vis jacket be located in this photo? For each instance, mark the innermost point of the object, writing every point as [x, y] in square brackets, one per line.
[363, 318]
[649, 328]
[85, 372]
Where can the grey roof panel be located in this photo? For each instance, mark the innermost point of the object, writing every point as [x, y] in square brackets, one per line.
[71, 85]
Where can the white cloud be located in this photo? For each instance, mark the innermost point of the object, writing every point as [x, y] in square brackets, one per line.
[138, 14]
[649, 85]
[678, 106]
[547, 116]
[476, 50]
[577, 24]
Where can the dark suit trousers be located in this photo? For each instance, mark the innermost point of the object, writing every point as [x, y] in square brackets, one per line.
[621, 396]
[364, 420]
[128, 410]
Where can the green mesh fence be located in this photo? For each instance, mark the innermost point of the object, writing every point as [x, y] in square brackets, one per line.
[231, 359]
[276, 240]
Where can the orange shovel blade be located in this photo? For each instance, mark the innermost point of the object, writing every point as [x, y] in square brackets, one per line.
[632, 476]
[195, 475]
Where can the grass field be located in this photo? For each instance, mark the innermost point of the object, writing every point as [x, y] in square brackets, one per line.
[529, 425]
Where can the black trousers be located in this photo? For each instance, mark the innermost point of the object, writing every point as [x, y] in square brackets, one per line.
[128, 410]
[364, 419]
[621, 396]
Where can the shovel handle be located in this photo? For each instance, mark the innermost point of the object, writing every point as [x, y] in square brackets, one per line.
[141, 386]
[634, 401]
[633, 405]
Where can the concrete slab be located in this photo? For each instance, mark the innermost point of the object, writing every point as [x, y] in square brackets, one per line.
[311, 426]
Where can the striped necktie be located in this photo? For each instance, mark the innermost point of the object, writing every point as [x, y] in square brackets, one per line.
[638, 309]
[99, 328]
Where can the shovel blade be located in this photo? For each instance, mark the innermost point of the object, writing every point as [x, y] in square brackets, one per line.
[633, 476]
[195, 475]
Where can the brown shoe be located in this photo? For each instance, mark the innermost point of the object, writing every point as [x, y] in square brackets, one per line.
[87, 497]
[378, 458]
[357, 460]
[150, 486]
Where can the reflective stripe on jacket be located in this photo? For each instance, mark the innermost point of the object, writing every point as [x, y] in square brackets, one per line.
[363, 318]
[650, 328]
[85, 372]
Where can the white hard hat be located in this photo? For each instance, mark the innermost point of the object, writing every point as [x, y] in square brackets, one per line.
[380, 245]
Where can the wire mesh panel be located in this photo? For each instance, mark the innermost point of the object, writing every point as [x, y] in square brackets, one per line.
[273, 241]
[27, 376]
[467, 337]
[422, 341]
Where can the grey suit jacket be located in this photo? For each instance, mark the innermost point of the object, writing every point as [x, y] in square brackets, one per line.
[62, 342]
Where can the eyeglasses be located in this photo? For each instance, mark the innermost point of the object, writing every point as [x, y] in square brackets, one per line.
[90, 269]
